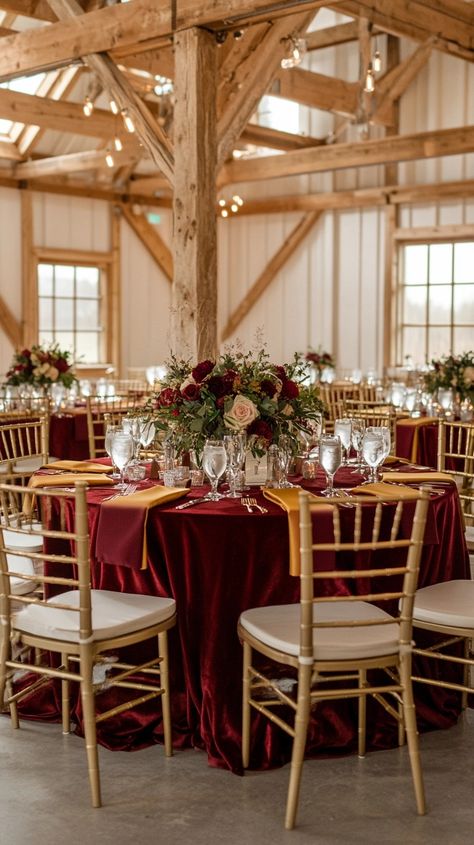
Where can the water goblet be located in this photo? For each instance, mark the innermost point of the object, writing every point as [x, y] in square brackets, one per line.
[330, 458]
[373, 451]
[357, 434]
[385, 432]
[121, 453]
[214, 462]
[110, 432]
[232, 448]
[343, 430]
[284, 456]
[446, 400]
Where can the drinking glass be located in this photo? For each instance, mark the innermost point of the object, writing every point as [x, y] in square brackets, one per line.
[147, 432]
[121, 453]
[284, 456]
[330, 458]
[373, 452]
[58, 393]
[343, 430]
[385, 432]
[232, 448]
[446, 399]
[110, 433]
[214, 462]
[357, 434]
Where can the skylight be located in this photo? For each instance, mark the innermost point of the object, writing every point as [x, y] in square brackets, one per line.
[25, 85]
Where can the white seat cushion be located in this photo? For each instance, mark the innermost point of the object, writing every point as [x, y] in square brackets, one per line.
[470, 537]
[17, 563]
[24, 542]
[279, 627]
[113, 614]
[450, 603]
[28, 464]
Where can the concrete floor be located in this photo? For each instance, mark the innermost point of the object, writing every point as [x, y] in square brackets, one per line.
[147, 799]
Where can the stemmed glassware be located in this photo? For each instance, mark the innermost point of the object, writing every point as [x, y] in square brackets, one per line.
[110, 433]
[214, 462]
[58, 393]
[357, 434]
[373, 451]
[284, 455]
[330, 458]
[385, 431]
[121, 452]
[235, 449]
[343, 430]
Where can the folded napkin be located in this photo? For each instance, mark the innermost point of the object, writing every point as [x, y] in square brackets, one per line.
[68, 479]
[387, 492]
[392, 459]
[121, 530]
[417, 477]
[78, 466]
[416, 424]
[288, 499]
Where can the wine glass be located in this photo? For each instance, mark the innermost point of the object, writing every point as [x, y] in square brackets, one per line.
[385, 432]
[147, 432]
[284, 455]
[373, 452]
[357, 434]
[343, 430]
[58, 393]
[330, 458]
[233, 452]
[214, 462]
[111, 430]
[122, 448]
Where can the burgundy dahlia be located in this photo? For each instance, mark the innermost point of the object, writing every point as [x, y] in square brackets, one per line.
[191, 391]
[261, 429]
[167, 397]
[202, 370]
[290, 389]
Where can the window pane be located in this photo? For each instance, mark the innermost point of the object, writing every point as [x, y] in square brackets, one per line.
[464, 262]
[87, 313]
[464, 305]
[439, 309]
[87, 347]
[45, 279]
[45, 338]
[414, 344]
[87, 281]
[414, 305]
[439, 341]
[65, 340]
[45, 316]
[415, 264]
[463, 339]
[64, 313]
[441, 258]
[64, 281]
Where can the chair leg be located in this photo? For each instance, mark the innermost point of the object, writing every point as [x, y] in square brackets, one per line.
[412, 733]
[467, 672]
[90, 732]
[65, 697]
[165, 697]
[246, 705]
[299, 742]
[362, 713]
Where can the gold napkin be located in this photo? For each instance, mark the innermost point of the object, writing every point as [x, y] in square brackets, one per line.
[68, 479]
[417, 477]
[78, 466]
[287, 498]
[143, 500]
[416, 424]
[392, 459]
[385, 491]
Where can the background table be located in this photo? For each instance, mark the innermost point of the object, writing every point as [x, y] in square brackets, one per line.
[426, 447]
[217, 560]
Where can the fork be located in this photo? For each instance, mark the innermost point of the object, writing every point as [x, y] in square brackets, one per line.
[130, 488]
[249, 502]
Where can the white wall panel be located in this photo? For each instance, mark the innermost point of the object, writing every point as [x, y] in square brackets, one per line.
[10, 264]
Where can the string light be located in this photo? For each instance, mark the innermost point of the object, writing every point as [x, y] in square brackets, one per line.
[369, 85]
[238, 199]
[128, 122]
[377, 62]
[109, 159]
[88, 106]
[118, 144]
[295, 50]
[234, 205]
[114, 107]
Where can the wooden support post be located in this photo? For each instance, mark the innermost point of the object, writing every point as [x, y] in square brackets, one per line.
[114, 298]
[194, 300]
[29, 287]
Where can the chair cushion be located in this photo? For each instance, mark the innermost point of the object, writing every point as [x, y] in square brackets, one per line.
[470, 537]
[449, 603]
[113, 614]
[24, 542]
[25, 565]
[278, 626]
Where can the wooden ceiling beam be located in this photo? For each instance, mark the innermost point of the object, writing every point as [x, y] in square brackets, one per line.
[264, 136]
[150, 133]
[391, 87]
[10, 151]
[72, 163]
[150, 239]
[341, 33]
[339, 156]
[10, 324]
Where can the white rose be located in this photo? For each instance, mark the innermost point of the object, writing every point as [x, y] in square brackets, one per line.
[469, 376]
[34, 358]
[242, 413]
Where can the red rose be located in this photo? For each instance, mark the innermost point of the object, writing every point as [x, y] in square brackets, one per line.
[261, 429]
[191, 391]
[290, 389]
[202, 370]
[62, 365]
[217, 385]
[167, 397]
[25, 353]
[268, 387]
[280, 372]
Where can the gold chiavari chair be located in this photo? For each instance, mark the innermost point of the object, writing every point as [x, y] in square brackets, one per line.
[341, 638]
[131, 387]
[97, 407]
[78, 624]
[367, 393]
[23, 447]
[456, 457]
[378, 417]
[334, 396]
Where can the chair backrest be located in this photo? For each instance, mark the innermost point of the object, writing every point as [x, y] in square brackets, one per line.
[65, 571]
[334, 396]
[97, 409]
[395, 530]
[131, 387]
[376, 416]
[22, 439]
[456, 457]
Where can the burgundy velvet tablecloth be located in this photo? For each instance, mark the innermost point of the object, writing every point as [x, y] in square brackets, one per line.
[216, 560]
[427, 448]
[68, 435]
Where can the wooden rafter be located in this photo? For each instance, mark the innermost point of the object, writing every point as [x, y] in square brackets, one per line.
[10, 324]
[396, 81]
[332, 35]
[9, 151]
[71, 163]
[150, 239]
[273, 267]
[336, 156]
[264, 136]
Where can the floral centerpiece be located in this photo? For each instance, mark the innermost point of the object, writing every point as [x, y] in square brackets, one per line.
[455, 372]
[41, 366]
[237, 392]
[320, 360]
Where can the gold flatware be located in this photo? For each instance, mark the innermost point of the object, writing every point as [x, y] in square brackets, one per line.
[249, 502]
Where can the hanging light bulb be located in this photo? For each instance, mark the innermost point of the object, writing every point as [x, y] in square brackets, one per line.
[114, 107]
[377, 62]
[118, 144]
[109, 159]
[224, 213]
[234, 207]
[88, 106]
[128, 122]
[222, 203]
[296, 48]
[238, 199]
[369, 85]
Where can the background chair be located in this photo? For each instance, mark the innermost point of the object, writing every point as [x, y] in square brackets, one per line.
[330, 639]
[23, 447]
[456, 457]
[97, 408]
[378, 417]
[74, 622]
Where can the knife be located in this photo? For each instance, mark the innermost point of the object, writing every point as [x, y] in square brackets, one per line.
[191, 503]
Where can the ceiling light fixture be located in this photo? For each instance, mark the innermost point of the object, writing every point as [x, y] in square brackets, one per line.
[109, 159]
[369, 84]
[114, 107]
[118, 144]
[128, 122]
[87, 106]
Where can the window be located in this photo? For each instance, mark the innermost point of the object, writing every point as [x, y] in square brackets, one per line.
[70, 308]
[436, 306]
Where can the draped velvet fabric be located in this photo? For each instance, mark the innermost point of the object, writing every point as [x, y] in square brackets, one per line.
[68, 435]
[217, 560]
[427, 448]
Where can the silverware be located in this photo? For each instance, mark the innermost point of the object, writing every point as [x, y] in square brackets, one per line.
[129, 489]
[249, 502]
[191, 503]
